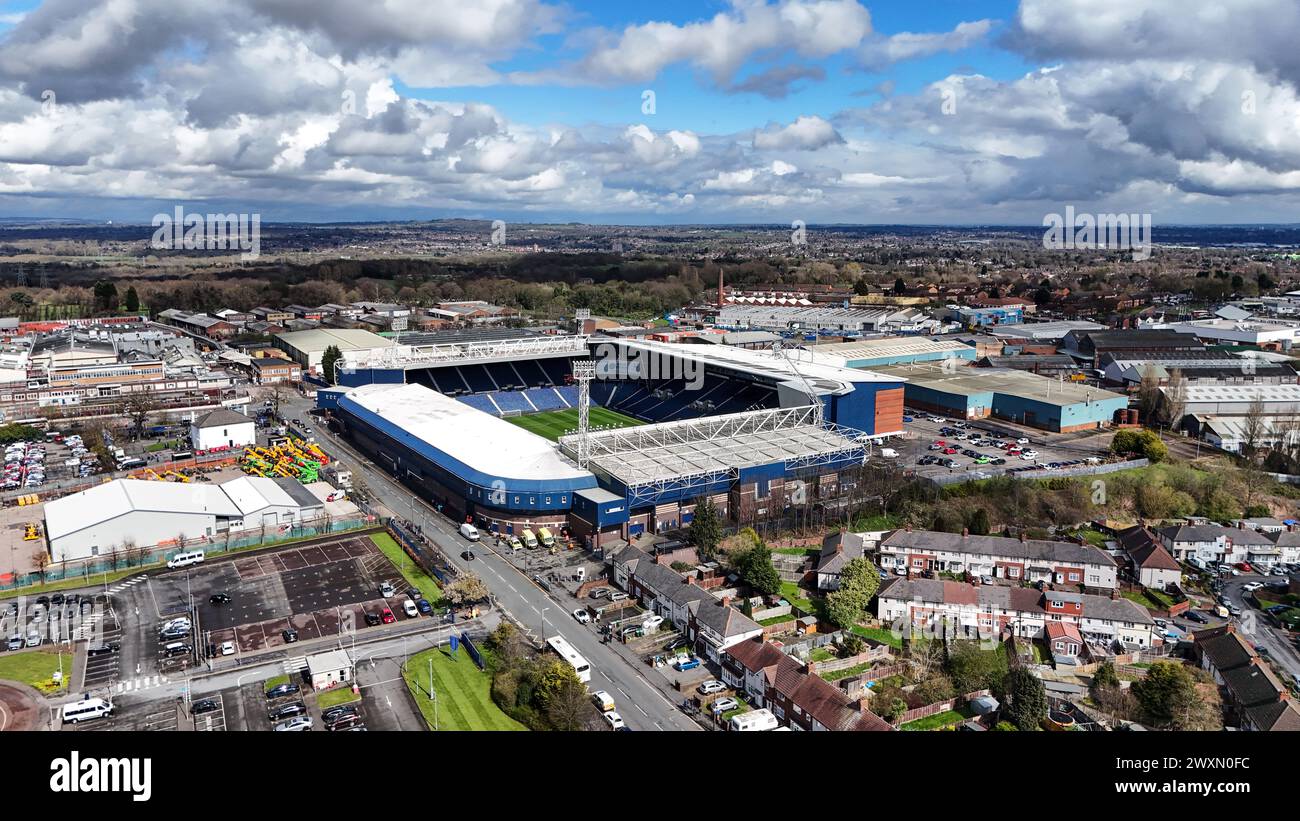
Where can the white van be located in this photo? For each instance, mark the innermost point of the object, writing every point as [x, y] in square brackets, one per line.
[469, 532]
[185, 559]
[86, 710]
[888, 453]
[603, 701]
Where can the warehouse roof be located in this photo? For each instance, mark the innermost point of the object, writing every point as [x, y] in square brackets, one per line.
[112, 499]
[838, 353]
[345, 339]
[971, 381]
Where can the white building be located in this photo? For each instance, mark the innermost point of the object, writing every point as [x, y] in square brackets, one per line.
[222, 428]
[1239, 331]
[146, 514]
[1216, 543]
[329, 668]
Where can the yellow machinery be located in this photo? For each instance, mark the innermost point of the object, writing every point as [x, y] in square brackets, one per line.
[33, 532]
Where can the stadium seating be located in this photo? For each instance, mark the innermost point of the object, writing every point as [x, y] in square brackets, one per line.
[513, 401]
[477, 377]
[532, 375]
[482, 401]
[549, 399]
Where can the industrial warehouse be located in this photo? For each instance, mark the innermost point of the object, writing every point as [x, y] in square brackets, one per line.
[1056, 405]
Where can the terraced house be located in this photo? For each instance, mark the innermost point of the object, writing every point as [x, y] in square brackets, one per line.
[992, 610]
[998, 557]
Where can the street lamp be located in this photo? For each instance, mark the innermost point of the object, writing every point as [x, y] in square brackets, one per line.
[544, 609]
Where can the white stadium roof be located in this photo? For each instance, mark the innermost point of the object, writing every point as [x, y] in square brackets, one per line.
[488, 445]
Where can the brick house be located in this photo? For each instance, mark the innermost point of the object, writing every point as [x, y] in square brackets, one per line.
[1254, 698]
[771, 679]
[1000, 557]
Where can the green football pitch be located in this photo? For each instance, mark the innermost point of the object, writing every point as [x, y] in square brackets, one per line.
[554, 424]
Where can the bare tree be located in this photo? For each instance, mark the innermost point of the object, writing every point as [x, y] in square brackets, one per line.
[138, 407]
[1175, 398]
[1254, 428]
[273, 392]
[42, 559]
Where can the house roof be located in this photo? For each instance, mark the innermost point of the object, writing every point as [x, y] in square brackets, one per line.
[1145, 551]
[1253, 684]
[221, 416]
[838, 549]
[1064, 630]
[1015, 599]
[1280, 715]
[109, 500]
[1225, 648]
[1030, 549]
[1209, 533]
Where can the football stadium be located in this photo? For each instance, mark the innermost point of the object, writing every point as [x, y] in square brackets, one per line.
[490, 431]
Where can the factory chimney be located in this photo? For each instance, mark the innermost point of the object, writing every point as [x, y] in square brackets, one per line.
[719, 287]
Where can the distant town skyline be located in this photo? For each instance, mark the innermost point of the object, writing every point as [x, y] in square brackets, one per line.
[832, 112]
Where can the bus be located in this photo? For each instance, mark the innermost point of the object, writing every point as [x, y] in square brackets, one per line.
[86, 710]
[565, 651]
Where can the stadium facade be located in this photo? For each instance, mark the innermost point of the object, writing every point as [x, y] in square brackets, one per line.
[757, 432]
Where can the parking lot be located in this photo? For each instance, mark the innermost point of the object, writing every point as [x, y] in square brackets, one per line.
[942, 447]
[277, 598]
[30, 622]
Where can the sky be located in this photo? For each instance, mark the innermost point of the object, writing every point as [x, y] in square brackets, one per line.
[672, 112]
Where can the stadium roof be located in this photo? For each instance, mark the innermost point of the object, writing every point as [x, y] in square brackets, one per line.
[468, 350]
[717, 446]
[824, 377]
[476, 446]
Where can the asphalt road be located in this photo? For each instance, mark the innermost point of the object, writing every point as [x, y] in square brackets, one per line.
[1257, 628]
[642, 705]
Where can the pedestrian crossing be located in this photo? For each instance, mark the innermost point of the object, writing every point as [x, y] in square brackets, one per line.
[295, 665]
[140, 683]
[86, 628]
[123, 585]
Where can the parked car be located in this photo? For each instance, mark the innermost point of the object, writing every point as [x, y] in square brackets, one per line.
[614, 720]
[1192, 615]
[372, 618]
[290, 635]
[282, 690]
[686, 663]
[204, 705]
[296, 724]
[335, 713]
[423, 606]
[386, 590]
[711, 686]
[582, 616]
[227, 648]
[617, 595]
[219, 598]
[297, 708]
[387, 616]
[408, 607]
[722, 705]
[102, 648]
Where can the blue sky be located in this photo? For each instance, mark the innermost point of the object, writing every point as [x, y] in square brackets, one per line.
[949, 111]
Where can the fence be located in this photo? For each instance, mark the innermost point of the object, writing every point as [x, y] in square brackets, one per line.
[939, 707]
[409, 537]
[835, 665]
[126, 558]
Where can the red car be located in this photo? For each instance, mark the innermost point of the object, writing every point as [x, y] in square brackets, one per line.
[949, 451]
[388, 616]
[1244, 567]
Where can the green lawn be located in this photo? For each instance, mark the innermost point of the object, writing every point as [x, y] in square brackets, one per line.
[879, 634]
[794, 594]
[848, 671]
[410, 571]
[777, 620]
[335, 697]
[463, 692]
[275, 682]
[820, 654]
[938, 720]
[36, 668]
[554, 424]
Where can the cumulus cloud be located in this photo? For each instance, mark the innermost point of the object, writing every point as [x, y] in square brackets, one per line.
[805, 133]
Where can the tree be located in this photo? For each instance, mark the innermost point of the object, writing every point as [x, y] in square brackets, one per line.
[132, 300]
[706, 529]
[42, 560]
[1025, 699]
[973, 668]
[1175, 399]
[1254, 428]
[1143, 443]
[568, 707]
[137, 407]
[467, 589]
[274, 393]
[1104, 678]
[858, 583]
[1148, 394]
[105, 296]
[329, 362]
[1167, 699]
[900, 287]
[759, 571]
[850, 645]
[979, 522]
